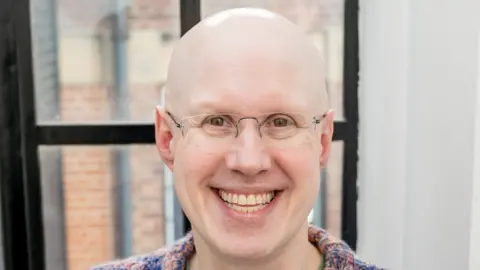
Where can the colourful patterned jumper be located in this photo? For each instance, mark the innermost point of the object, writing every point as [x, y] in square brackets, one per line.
[337, 254]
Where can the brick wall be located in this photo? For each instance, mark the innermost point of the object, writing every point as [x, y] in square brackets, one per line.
[147, 197]
[87, 95]
[89, 184]
[87, 180]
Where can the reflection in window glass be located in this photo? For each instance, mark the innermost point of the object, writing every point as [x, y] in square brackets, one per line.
[98, 207]
[101, 60]
[322, 20]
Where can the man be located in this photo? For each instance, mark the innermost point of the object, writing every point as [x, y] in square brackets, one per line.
[246, 129]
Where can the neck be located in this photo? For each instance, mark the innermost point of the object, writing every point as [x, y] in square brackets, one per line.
[299, 253]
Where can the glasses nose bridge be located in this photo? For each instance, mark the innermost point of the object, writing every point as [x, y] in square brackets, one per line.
[257, 123]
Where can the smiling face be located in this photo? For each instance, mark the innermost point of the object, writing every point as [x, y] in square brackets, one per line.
[247, 194]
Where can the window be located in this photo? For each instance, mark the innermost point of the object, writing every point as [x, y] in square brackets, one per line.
[101, 205]
[78, 89]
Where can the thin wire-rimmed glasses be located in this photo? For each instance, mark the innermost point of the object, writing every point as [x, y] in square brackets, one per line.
[277, 129]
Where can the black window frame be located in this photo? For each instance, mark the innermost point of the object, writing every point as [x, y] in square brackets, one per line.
[21, 135]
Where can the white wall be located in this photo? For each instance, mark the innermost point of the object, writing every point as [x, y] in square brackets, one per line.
[475, 225]
[418, 90]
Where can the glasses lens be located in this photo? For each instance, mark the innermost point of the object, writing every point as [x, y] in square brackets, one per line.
[277, 130]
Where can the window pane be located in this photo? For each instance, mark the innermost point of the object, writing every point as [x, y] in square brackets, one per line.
[333, 190]
[327, 212]
[102, 203]
[322, 20]
[101, 60]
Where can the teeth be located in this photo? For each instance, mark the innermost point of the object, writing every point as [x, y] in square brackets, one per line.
[248, 209]
[246, 203]
[242, 200]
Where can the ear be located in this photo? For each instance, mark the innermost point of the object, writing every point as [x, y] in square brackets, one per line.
[326, 137]
[163, 137]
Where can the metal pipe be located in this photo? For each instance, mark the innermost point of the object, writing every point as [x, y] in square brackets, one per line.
[121, 112]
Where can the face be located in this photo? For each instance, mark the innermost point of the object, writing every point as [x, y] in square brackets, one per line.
[246, 195]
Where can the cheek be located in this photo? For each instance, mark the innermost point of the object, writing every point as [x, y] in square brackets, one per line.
[197, 161]
[193, 167]
[301, 164]
[302, 167]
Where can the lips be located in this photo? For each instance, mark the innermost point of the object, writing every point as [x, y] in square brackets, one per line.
[246, 203]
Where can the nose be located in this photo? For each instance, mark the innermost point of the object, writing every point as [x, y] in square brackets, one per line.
[248, 154]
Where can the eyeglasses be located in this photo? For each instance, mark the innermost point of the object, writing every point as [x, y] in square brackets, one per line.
[274, 128]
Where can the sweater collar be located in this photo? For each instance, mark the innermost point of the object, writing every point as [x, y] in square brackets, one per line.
[337, 254]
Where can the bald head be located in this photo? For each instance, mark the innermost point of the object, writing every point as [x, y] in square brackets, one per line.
[242, 50]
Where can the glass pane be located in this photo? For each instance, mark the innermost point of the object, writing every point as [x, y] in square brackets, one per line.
[322, 20]
[102, 203]
[333, 190]
[101, 60]
[327, 212]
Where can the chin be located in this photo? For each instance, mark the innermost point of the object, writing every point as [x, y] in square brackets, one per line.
[245, 247]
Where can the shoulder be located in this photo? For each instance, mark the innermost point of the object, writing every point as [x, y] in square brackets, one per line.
[337, 253]
[153, 260]
[340, 256]
[172, 258]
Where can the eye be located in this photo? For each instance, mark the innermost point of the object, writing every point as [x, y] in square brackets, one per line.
[218, 125]
[280, 121]
[217, 121]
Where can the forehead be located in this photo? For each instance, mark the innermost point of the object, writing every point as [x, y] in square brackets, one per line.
[250, 82]
[205, 100]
